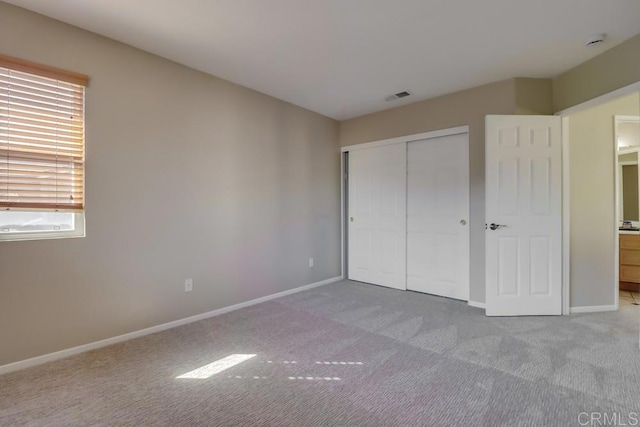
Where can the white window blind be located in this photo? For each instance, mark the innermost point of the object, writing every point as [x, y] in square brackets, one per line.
[41, 137]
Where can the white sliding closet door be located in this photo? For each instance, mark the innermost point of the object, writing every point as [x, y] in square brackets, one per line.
[438, 215]
[377, 215]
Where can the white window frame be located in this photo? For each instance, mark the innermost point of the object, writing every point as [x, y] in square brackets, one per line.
[78, 231]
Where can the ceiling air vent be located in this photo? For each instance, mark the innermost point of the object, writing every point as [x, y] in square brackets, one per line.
[595, 39]
[397, 96]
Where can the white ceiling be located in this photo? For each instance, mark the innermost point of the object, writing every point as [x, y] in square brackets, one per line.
[341, 58]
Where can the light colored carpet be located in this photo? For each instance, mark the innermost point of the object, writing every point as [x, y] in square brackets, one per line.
[346, 354]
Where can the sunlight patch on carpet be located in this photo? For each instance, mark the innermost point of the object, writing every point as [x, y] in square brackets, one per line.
[218, 366]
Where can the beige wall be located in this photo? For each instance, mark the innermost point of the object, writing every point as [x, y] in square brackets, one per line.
[629, 157]
[611, 70]
[592, 201]
[187, 176]
[533, 96]
[467, 107]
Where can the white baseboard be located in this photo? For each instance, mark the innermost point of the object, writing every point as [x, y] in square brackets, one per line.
[592, 309]
[477, 304]
[39, 360]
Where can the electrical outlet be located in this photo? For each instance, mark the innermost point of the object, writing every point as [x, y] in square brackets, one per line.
[188, 285]
[310, 262]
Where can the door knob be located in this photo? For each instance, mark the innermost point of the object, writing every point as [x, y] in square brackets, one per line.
[463, 222]
[351, 219]
[495, 226]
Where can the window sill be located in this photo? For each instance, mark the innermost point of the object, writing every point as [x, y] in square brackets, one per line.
[18, 237]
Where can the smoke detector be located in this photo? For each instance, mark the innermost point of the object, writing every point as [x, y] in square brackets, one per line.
[398, 95]
[595, 39]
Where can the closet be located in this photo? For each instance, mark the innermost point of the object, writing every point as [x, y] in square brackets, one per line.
[407, 213]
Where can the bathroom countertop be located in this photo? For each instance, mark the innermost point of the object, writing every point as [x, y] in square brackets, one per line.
[629, 232]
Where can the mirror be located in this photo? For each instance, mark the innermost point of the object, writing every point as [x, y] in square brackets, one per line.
[627, 137]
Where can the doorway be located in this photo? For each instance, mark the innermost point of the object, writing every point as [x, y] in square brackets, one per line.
[601, 162]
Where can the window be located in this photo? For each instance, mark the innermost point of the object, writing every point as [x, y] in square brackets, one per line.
[41, 151]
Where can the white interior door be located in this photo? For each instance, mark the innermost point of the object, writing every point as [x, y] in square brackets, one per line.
[524, 214]
[377, 208]
[437, 216]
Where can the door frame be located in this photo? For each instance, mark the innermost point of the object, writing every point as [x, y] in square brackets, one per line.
[566, 198]
[619, 182]
[344, 177]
